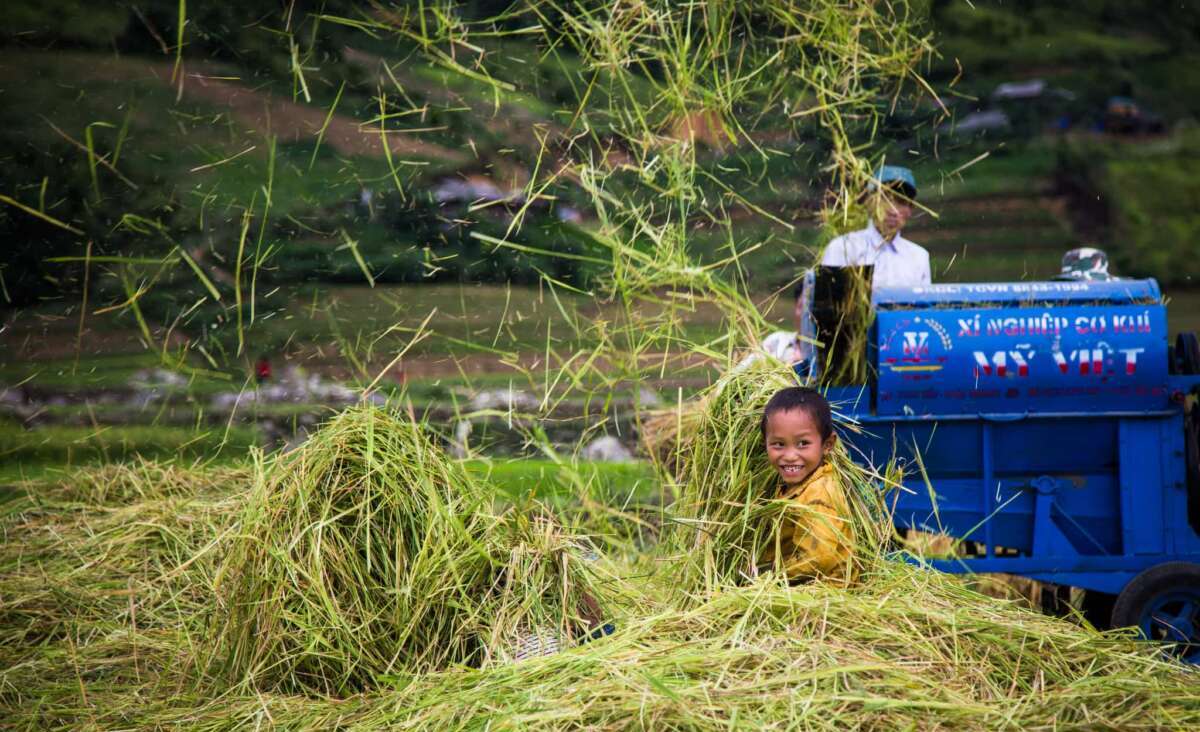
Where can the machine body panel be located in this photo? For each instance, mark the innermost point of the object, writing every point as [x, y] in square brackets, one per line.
[1040, 423]
[1078, 358]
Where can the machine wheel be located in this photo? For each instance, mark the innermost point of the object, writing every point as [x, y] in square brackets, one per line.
[1187, 353]
[1164, 604]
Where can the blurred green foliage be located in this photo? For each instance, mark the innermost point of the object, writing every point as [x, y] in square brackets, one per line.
[1095, 48]
[1147, 202]
[244, 31]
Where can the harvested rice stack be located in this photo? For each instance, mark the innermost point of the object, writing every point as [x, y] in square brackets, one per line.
[84, 556]
[368, 551]
[108, 570]
[665, 433]
[912, 650]
[142, 479]
[552, 593]
[363, 552]
[725, 513]
[905, 648]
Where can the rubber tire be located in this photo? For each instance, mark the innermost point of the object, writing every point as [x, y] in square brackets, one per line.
[1187, 353]
[1145, 587]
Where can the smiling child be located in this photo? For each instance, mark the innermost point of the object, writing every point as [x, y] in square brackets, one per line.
[813, 540]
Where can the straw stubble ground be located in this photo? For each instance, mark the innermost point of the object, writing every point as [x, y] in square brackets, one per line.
[109, 590]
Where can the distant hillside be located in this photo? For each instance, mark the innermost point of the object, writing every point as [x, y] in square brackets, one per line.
[265, 133]
[1094, 48]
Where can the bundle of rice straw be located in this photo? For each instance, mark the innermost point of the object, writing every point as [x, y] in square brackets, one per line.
[725, 515]
[551, 594]
[142, 479]
[99, 551]
[359, 553]
[368, 551]
[847, 326]
[663, 433]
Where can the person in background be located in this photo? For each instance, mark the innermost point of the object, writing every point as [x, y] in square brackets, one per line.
[262, 369]
[814, 539]
[898, 262]
[789, 346]
[1085, 264]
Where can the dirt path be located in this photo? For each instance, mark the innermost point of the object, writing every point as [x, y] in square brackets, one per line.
[255, 108]
[270, 114]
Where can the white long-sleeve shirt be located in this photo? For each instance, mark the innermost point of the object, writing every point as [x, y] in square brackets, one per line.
[898, 263]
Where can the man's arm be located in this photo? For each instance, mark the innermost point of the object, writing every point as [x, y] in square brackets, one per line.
[835, 254]
[925, 278]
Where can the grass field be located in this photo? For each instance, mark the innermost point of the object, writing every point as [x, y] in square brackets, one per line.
[27, 454]
[327, 328]
[477, 324]
[615, 484]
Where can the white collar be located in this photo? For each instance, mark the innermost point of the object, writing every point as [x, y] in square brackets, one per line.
[877, 241]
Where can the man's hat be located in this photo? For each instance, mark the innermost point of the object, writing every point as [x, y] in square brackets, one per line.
[894, 176]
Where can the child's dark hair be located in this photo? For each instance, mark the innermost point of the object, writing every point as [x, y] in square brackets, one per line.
[804, 399]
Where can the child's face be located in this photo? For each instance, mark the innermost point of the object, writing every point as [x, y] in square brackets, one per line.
[794, 445]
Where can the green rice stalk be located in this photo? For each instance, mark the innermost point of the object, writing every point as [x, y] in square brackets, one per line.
[844, 355]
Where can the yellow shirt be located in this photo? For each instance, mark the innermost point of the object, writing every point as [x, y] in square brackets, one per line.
[814, 537]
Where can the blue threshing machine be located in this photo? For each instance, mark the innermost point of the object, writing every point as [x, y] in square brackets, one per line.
[1056, 426]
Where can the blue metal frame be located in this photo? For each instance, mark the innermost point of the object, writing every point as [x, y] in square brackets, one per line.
[1063, 457]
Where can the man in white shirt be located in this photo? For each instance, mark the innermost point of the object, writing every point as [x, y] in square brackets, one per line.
[898, 262]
